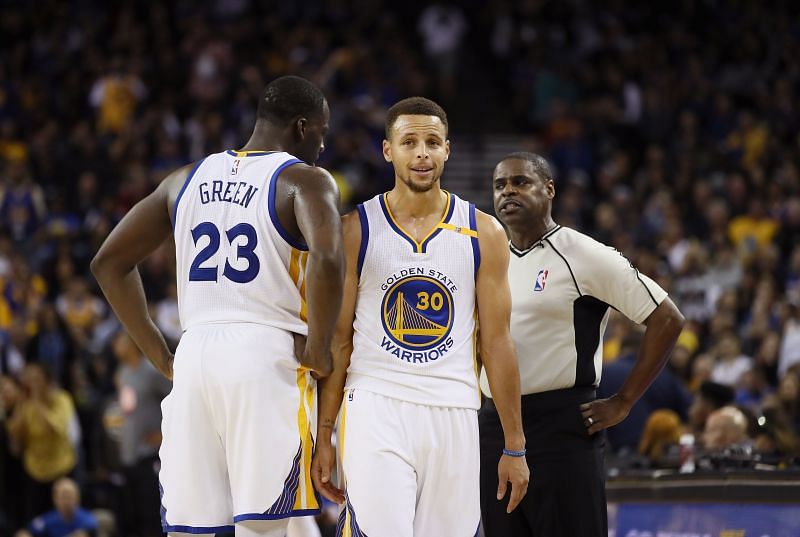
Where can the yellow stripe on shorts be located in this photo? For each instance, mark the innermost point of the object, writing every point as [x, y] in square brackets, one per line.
[346, 530]
[305, 498]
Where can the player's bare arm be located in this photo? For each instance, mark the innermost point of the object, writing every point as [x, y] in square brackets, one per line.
[114, 266]
[331, 388]
[316, 211]
[663, 327]
[497, 353]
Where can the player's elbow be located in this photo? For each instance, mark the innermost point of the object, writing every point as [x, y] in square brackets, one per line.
[98, 265]
[330, 261]
[498, 352]
[102, 266]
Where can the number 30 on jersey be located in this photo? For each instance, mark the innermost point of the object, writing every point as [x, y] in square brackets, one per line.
[246, 252]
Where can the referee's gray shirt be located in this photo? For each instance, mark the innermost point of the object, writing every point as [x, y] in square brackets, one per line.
[562, 289]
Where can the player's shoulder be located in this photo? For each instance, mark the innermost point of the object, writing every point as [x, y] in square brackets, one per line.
[174, 182]
[305, 175]
[351, 231]
[488, 225]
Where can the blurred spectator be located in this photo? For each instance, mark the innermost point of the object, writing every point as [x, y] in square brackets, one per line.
[752, 389]
[701, 368]
[11, 469]
[789, 396]
[748, 141]
[81, 310]
[666, 392]
[43, 428]
[166, 315]
[681, 358]
[68, 519]
[141, 389]
[52, 345]
[730, 364]
[115, 95]
[710, 397]
[725, 428]
[777, 434]
[662, 430]
[442, 27]
[789, 354]
[754, 229]
[696, 292]
[766, 357]
[22, 206]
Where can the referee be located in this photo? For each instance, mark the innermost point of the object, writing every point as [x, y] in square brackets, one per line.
[563, 284]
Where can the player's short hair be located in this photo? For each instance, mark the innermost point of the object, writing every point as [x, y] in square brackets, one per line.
[288, 98]
[414, 106]
[540, 165]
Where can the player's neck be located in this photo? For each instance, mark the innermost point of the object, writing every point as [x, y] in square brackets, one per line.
[405, 203]
[265, 137]
[524, 237]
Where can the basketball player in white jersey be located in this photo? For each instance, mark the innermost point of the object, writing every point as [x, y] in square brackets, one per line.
[422, 267]
[259, 265]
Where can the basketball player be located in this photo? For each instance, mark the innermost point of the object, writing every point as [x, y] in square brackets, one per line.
[259, 260]
[422, 266]
[564, 284]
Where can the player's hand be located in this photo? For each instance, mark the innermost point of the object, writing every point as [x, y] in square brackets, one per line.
[321, 467]
[164, 365]
[604, 413]
[320, 367]
[512, 470]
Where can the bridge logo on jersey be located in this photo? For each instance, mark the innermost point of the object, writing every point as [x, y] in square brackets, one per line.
[417, 315]
[541, 280]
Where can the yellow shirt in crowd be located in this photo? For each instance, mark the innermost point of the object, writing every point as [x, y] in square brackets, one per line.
[47, 452]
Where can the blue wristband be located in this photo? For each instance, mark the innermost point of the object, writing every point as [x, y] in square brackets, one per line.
[514, 453]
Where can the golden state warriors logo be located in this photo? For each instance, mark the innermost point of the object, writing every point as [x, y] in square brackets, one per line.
[417, 314]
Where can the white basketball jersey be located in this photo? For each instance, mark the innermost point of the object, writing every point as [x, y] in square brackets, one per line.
[414, 329]
[235, 262]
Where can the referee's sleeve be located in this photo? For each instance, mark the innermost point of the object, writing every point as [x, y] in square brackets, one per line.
[608, 276]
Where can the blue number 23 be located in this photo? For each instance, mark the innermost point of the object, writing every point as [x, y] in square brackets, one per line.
[246, 251]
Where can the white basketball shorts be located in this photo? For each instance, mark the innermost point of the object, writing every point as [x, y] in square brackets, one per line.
[237, 430]
[409, 470]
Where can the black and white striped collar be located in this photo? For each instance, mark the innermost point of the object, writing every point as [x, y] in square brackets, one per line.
[540, 243]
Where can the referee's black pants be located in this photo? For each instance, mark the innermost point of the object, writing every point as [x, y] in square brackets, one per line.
[566, 495]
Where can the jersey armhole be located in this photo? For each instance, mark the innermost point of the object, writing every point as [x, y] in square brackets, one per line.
[273, 212]
[362, 249]
[182, 190]
[476, 248]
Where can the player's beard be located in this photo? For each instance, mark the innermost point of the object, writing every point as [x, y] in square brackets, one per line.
[420, 188]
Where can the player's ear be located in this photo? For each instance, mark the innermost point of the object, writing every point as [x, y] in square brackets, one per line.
[387, 151]
[446, 150]
[300, 126]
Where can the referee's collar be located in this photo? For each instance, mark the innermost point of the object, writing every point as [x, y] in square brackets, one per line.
[540, 243]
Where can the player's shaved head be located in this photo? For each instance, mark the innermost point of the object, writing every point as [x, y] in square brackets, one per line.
[288, 98]
[414, 106]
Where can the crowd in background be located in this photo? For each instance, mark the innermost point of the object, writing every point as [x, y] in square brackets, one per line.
[674, 136]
